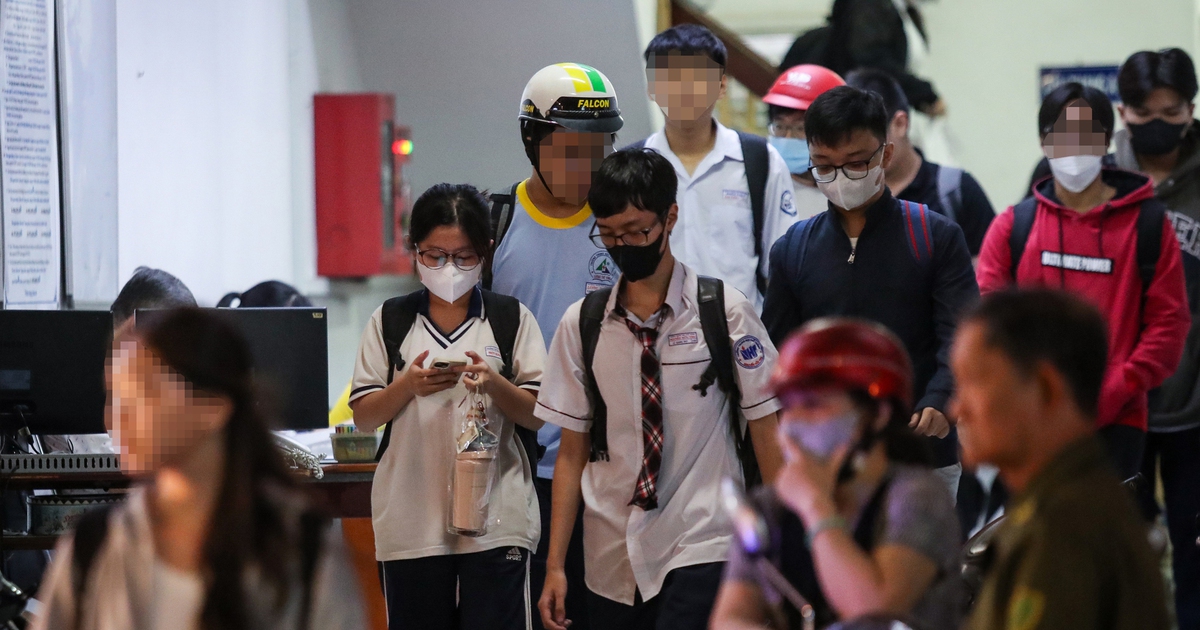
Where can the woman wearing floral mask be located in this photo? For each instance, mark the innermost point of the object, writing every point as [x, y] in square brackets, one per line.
[416, 381]
[861, 526]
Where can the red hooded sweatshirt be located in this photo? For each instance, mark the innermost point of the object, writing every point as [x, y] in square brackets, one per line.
[1144, 346]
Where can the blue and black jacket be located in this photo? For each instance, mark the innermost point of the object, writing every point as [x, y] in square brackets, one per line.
[910, 271]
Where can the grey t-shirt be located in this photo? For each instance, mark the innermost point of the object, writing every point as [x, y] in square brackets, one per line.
[918, 513]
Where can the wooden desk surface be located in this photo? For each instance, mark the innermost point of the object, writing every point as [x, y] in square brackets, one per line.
[345, 491]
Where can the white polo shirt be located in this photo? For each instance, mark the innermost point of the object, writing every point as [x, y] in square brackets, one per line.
[809, 201]
[627, 549]
[410, 494]
[715, 231]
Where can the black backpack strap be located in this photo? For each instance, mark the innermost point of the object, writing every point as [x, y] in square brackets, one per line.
[312, 533]
[757, 162]
[91, 530]
[1023, 215]
[1149, 240]
[501, 218]
[714, 321]
[397, 318]
[504, 316]
[949, 190]
[591, 316]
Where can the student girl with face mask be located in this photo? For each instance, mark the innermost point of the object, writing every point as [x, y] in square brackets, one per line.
[433, 578]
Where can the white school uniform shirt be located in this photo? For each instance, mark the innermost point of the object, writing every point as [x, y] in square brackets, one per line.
[715, 231]
[411, 490]
[810, 201]
[627, 549]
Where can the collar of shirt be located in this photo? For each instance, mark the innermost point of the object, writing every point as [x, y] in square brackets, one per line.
[545, 220]
[474, 309]
[674, 302]
[923, 187]
[727, 146]
[1082, 456]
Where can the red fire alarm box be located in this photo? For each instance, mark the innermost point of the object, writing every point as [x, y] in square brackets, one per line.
[362, 198]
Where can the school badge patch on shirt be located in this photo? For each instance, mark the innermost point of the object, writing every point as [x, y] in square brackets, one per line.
[749, 353]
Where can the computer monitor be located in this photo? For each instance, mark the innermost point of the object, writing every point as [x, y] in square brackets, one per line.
[290, 354]
[52, 370]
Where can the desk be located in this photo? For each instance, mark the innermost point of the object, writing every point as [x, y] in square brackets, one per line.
[345, 492]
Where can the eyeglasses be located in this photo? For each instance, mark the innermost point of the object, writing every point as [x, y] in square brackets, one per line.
[435, 258]
[857, 169]
[780, 130]
[633, 239]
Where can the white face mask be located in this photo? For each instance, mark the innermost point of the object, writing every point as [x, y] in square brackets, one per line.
[1075, 172]
[849, 194]
[449, 282]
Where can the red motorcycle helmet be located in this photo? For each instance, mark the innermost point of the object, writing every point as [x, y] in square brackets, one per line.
[845, 353]
[800, 85]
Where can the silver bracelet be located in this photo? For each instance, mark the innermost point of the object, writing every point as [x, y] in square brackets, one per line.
[829, 522]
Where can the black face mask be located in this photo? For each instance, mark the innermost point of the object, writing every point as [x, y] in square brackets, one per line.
[1155, 137]
[638, 262]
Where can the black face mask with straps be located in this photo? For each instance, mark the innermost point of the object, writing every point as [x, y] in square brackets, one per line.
[1156, 137]
[638, 262]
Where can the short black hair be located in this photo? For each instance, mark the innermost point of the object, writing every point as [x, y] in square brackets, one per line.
[779, 110]
[1058, 99]
[1041, 325]
[838, 113]
[686, 39]
[642, 178]
[150, 288]
[269, 294]
[460, 205]
[881, 83]
[1144, 71]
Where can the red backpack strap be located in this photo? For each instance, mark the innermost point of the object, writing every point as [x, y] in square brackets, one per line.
[918, 229]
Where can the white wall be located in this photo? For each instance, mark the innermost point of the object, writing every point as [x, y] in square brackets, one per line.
[985, 60]
[87, 61]
[457, 68]
[204, 168]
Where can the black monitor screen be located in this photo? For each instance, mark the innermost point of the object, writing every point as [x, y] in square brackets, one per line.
[52, 370]
[290, 354]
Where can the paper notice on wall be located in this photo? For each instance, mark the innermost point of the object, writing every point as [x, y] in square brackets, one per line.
[29, 167]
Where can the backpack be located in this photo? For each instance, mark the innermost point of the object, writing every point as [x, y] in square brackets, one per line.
[949, 190]
[91, 530]
[1149, 236]
[916, 232]
[757, 160]
[715, 324]
[502, 216]
[503, 315]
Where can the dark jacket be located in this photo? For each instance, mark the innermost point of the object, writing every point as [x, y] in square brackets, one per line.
[870, 34]
[1072, 553]
[1176, 405]
[892, 279]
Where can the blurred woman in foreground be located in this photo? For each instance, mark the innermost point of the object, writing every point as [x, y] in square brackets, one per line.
[218, 535]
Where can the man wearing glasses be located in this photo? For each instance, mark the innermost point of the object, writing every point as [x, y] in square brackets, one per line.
[874, 256]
